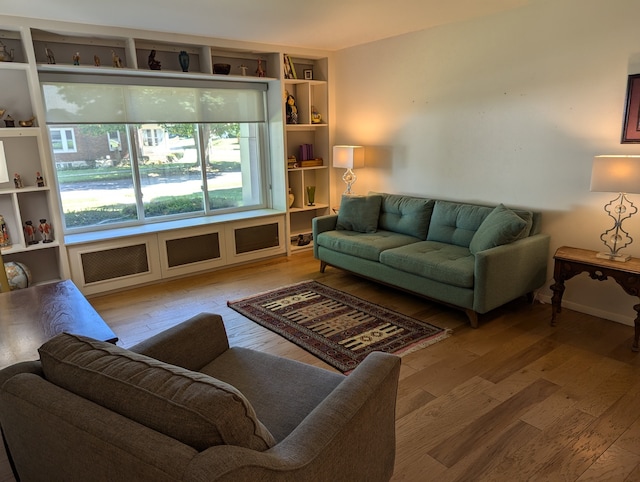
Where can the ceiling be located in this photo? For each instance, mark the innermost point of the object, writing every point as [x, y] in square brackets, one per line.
[324, 25]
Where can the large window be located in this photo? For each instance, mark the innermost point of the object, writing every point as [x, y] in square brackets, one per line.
[154, 153]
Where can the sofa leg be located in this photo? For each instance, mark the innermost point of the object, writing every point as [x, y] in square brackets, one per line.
[473, 318]
[323, 265]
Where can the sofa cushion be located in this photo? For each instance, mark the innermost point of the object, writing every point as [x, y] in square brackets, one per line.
[359, 213]
[501, 226]
[456, 223]
[362, 245]
[445, 263]
[192, 407]
[405, 215]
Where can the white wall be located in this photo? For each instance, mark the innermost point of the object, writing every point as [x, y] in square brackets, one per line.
[509, 108]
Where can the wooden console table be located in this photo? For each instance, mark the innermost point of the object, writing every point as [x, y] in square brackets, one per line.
[31, 316]
[572, 261]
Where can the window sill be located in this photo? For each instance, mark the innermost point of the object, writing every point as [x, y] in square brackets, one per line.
[153, 228]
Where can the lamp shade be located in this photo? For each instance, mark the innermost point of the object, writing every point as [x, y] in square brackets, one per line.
[348, 157]
[616, 174]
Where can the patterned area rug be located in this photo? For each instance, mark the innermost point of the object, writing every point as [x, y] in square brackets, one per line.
[337, 327]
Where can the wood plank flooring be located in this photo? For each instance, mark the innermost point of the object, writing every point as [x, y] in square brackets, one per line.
[514, 400]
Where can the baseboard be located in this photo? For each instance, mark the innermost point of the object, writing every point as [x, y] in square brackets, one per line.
[589, 310]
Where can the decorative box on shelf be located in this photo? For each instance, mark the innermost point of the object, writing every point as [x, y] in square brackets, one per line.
[311, 162]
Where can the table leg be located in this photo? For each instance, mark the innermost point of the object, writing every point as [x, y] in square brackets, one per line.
[556, 300]
[636, 324]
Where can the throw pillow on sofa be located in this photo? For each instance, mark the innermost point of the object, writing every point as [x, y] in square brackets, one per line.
[501, 226]
[359, 213]
[192, 407]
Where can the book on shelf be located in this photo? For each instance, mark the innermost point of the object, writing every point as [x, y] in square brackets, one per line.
[306, 152]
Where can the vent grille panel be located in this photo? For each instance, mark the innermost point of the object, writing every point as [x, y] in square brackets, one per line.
[192, 249]
[114, 263]
[254, 238]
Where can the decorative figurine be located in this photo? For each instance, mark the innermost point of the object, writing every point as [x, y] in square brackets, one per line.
[50, 57]
[153, 63]
[292, 110]
[39, 179]
[96, 61]
[17, 181]
[115, 60]
[243, 68]
[9, 121]
[45, 231]
[316, 117]
[76, 58]
[311, 195]
[183, 59]
[4, 234]
[27, 123]
[30, 233]
[260, 71]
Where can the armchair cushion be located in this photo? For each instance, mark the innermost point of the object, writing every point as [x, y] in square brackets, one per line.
[189, 406]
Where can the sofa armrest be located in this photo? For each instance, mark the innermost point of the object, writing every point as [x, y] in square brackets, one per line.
[349, 436]
[191, 344]
[321, 224]
[506, 272]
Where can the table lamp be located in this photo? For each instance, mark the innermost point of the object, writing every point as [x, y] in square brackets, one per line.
[348, 157]
[619, 174]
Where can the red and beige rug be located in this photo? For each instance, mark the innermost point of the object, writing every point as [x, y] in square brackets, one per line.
[337, 327]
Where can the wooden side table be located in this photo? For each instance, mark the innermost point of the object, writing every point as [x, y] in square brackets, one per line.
[572, 261]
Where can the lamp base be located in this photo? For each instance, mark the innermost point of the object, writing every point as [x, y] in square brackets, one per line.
[614, 257]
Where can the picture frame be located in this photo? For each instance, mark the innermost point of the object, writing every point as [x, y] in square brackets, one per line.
[631, 125]
[308, 74]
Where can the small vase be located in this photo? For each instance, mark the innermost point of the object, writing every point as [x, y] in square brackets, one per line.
[292, 198]
[311, 195]
[183, 58]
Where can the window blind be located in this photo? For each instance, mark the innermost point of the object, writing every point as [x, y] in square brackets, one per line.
[95, 99]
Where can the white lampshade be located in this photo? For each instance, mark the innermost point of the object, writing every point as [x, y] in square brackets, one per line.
[348, 157]
[616, 174]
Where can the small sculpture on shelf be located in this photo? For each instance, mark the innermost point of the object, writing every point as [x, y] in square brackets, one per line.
[51, 59]
[6, 55]
[27, 123]
[4, 233]
[39, 179]
[17, 181]
[292, 110]
[30, 233]
[76, 58]
[45, 231]
[260, 70]
[153, 63]
[96, 61]
[316, 117]
[9, 121]
[243, 70]
[311, 195]
[115, 60]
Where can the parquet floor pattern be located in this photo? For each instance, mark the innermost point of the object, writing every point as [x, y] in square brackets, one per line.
[515, 400]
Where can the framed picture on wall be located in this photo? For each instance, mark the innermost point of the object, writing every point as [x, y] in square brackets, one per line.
[631, 126]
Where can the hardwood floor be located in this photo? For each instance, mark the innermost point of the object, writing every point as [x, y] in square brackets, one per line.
[514, 400]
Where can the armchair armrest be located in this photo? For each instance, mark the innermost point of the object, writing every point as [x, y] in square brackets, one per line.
[349, 436]
[506, 272]
[191, 344]
[321, 224]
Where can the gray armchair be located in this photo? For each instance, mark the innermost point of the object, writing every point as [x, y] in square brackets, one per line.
[323, 426]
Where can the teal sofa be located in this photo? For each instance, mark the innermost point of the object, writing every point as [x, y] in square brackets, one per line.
[468, 256]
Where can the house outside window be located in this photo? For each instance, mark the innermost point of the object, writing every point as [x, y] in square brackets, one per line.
[113, 138]
[63, 140]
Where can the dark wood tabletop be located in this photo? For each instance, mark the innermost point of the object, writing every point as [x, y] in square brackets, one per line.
[31, 316]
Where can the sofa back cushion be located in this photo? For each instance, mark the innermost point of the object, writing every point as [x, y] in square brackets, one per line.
[359, 213]
[405, 215]
[191, 407]
[456, 223]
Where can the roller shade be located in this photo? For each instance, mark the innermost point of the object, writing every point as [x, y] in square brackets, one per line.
[119, 100]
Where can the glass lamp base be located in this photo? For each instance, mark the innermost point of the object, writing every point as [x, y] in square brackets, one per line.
[614, 257]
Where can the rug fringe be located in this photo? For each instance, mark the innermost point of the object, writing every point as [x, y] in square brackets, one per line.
[424, 343]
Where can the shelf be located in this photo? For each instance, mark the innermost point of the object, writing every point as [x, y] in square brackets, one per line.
[315, 207]
[24, 189]
[19, 131]
[15, 248]
[304, 127]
